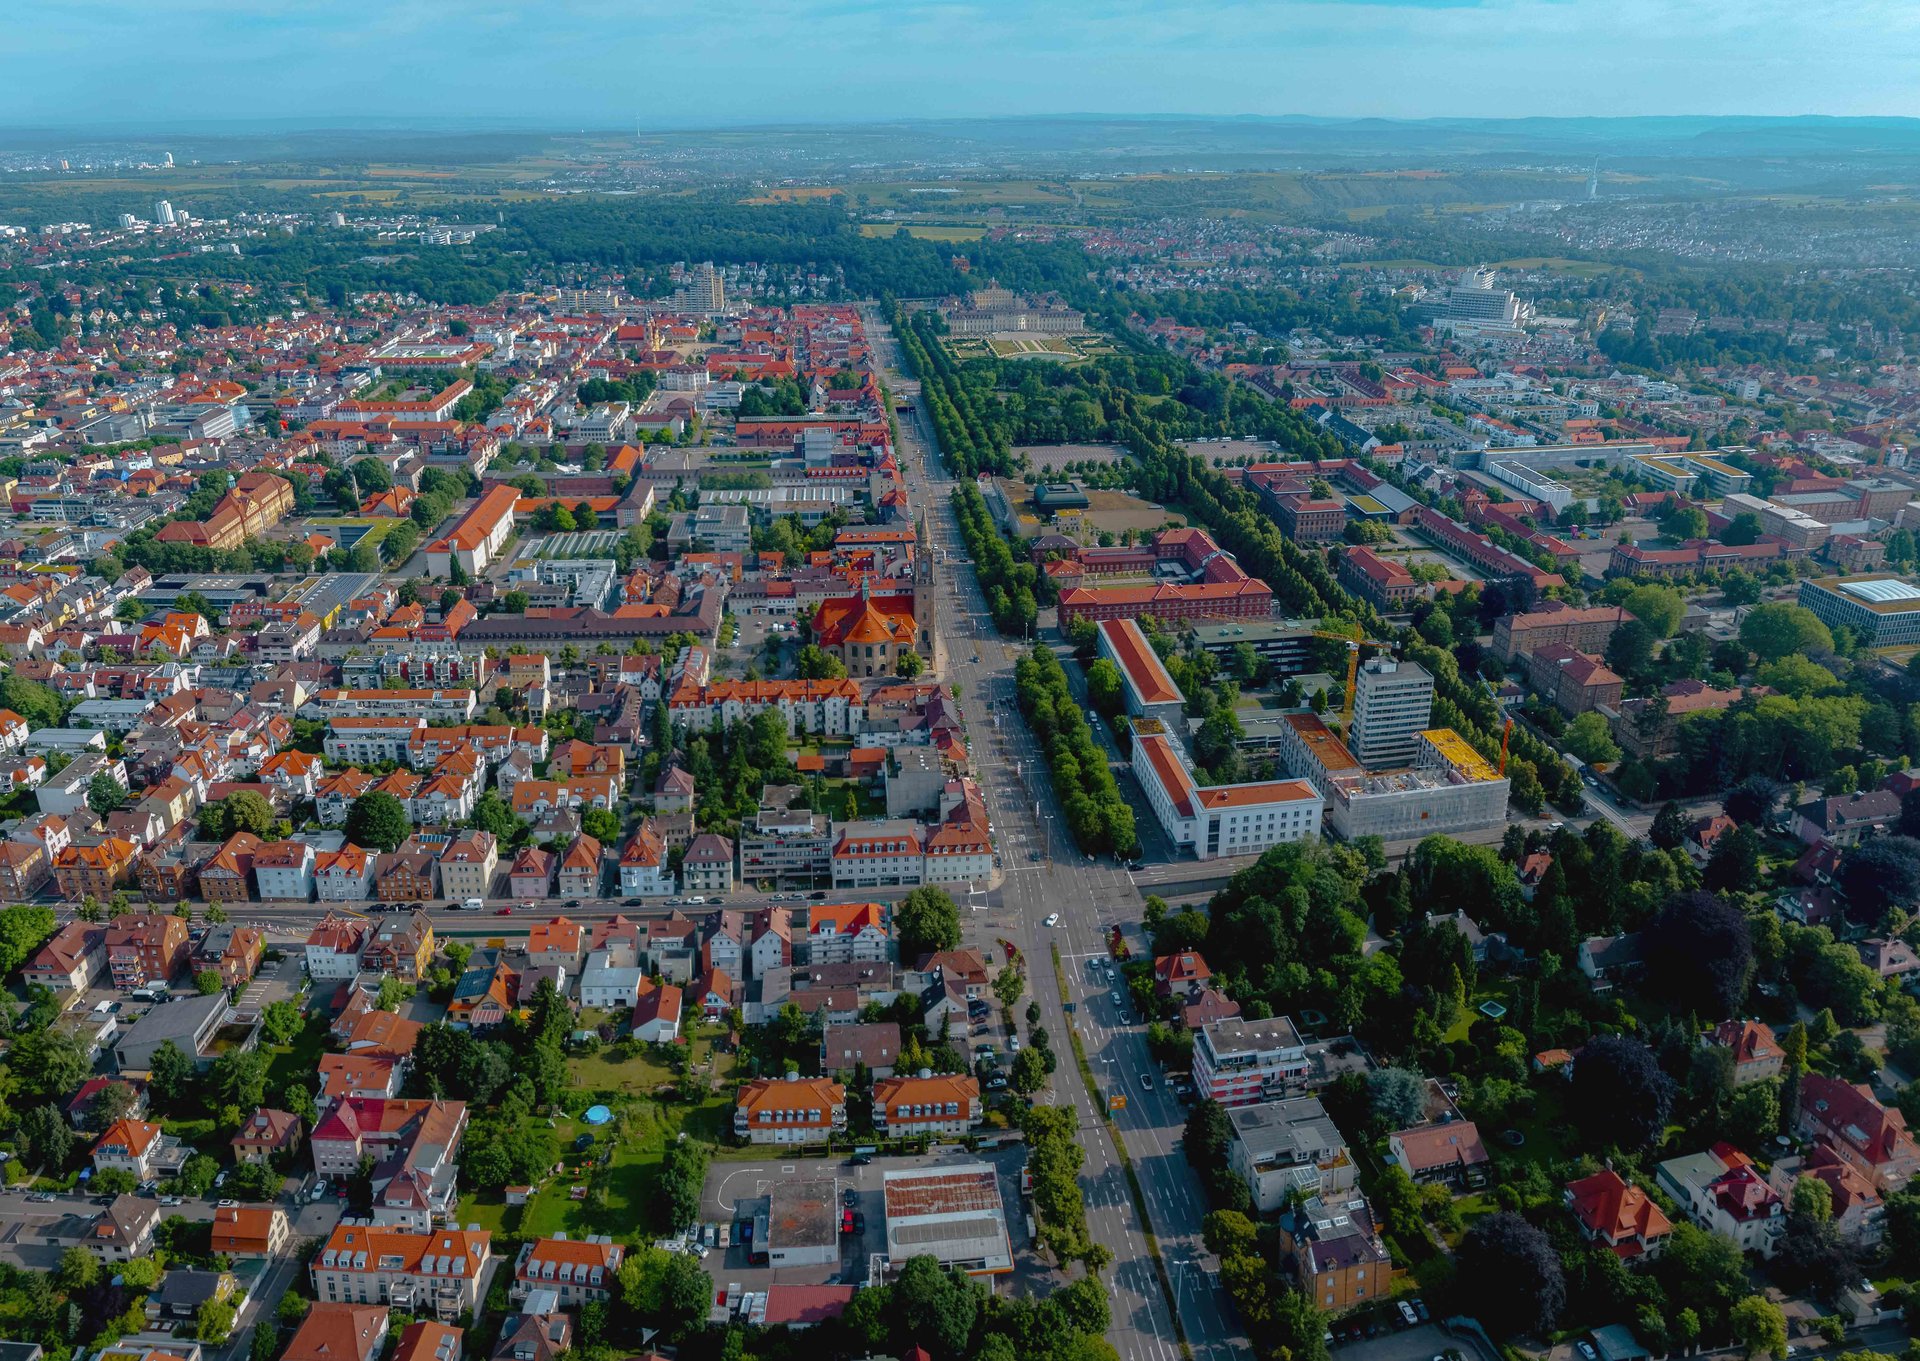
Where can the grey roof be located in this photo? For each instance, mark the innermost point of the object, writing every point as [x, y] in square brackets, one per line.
[179, 1020]
[1299, 1130]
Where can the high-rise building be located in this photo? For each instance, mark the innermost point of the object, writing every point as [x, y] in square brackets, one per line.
[168, 162]
[126, 222]
[1393, 704]
[163, 213]
[706, 289]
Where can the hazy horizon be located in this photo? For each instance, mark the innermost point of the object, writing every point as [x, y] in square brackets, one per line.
[602, 65]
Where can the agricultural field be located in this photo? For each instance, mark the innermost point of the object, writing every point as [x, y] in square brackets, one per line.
[923, 232]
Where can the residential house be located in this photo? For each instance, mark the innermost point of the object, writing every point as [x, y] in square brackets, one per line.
[342, 876]
[467, 865]
[336, 1331]
[365, 1075]
[559, 941]
[1451, 1153]
[334, 948]
[714, 995]
[838, 933]
[427, 1340]
[769, 940]
[268, 1136]
[138, 1148]
[1336, 1252]
[227, 877]
[794, 1111]
[1756, 1053]
[485, 994]
[25, 867]
[401, 946]
[436, 1272]
[1722, 1192]
[611, 980]
[251, 1231]
[656, 1013]
[404, 875]
[73, 960]
[706, 867]
[874, 1046]
[1859, 1211]
[580, 868]
[232, 951]
[95, 871]
[643, 864]
[1845, 818]
[1866, 1135]
[283, 870]
[1618, 1214]
[1180, 975]
[146, 947]
[124, 1230]
[532, 873]
[1605, 959]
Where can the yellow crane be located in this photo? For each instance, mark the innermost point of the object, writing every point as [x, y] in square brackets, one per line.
[1354, 640]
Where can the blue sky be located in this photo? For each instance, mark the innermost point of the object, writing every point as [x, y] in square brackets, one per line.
[612, 63]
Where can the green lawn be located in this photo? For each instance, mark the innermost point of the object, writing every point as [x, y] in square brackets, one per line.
[299, 1061]
[639, 1134]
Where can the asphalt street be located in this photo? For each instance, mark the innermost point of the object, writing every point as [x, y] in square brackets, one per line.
[1046, 875]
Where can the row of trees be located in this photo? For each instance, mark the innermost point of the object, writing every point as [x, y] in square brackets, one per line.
[1011, 584]
[970, 444]
[1097, 816]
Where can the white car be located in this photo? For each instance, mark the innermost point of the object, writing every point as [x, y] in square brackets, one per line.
[1053, 919]
[1013, 1045]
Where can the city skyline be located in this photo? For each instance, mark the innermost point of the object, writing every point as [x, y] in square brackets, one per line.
[596, 64]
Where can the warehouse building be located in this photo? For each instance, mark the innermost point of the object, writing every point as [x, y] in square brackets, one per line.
[953, 1213]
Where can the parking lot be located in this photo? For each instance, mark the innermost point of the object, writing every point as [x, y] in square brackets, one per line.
[728, 1183]
[1424, 1343]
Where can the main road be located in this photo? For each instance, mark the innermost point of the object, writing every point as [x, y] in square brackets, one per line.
[1045, 875]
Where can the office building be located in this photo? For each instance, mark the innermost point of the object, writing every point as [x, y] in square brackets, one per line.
[1234, 819]
[1880, 609]
[1149, 690]
[1392, 705]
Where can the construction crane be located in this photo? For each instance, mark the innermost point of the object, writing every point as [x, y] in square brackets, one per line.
[1354, 641]
[1506, 736]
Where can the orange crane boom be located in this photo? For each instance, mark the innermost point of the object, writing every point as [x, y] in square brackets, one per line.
[1506, 736]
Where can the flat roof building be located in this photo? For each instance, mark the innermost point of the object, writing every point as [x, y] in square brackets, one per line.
[1392, 702]
[1280, 1148]
[954, 1214]
[795, 1224]
[1880, 610]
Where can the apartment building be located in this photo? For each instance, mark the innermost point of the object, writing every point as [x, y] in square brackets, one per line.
[468, 864]
[942, 1104]
[1283, 1149]
[146, 947]
[788, 847]
[1236, 1062]
[794, 1111]
[438, 1272]
[578, 1270]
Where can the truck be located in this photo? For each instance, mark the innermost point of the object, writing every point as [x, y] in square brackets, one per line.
[472, 905]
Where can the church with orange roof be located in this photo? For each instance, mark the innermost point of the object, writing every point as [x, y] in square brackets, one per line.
[868, 633]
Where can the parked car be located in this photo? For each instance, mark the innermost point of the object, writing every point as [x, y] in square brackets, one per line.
[849, 1197]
